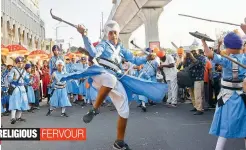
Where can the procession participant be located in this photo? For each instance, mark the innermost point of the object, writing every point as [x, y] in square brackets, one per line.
[148, 72]
[72, 85]
[92, 91]
[82, 88]
[36, 85]
[59, 96]
[108, 54]
[4, 89]
[229, 118]
[45, 78]
[68, 83]
[18, 96]
[169, 68]
[39, 73]
[57, 56]
[52, 63]
[29, 88]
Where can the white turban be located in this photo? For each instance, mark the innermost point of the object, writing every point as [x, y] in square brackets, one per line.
[59, 62]
[112, 26]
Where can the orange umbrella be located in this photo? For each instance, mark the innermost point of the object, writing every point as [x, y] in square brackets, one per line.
[49, 56]
[38, 55]
[4, 50]
[17, 50]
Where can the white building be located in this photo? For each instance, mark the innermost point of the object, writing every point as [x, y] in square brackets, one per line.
[21, 23]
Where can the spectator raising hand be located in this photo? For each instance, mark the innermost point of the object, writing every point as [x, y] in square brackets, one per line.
[243, 27]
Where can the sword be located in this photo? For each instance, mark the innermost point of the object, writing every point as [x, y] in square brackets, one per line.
[61, 20]
[148, 62]
[209, 20]
[174, 45]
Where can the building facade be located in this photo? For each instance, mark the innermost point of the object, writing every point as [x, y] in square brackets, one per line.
[21, 24]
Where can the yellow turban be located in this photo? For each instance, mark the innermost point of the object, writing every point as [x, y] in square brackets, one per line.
[180, 51]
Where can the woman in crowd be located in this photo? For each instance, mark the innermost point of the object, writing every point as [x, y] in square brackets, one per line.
[45, 78]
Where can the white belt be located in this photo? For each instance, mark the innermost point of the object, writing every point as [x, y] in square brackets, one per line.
[109, 64]
[60, 86]
[231, 84]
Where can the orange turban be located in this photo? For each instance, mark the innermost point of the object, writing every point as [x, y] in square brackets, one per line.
[161, 54]
[156, 50]
[72, 56]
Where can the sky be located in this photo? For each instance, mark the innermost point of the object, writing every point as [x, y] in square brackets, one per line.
[172, 27]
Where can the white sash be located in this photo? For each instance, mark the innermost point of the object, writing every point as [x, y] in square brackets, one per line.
[116, 52]
[227, 93]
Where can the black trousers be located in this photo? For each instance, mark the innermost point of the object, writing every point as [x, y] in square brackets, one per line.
[216, 89]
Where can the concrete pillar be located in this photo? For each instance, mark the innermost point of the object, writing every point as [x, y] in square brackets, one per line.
[150, 17]
[33, 42]
[16, 37]
[5, 30]
[25, 37]
[125, 39]
[22, 34]
[39, 43]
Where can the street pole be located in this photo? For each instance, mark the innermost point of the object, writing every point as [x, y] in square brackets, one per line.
[50, 45]
[100, 31]
[57, 32]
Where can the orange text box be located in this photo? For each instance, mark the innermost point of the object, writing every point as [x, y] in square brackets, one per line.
[62, 134]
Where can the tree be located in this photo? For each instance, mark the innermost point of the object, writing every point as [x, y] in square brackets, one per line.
[170, 51]
[73, 49]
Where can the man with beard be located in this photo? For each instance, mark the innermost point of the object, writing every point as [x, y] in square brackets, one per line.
[197, 73]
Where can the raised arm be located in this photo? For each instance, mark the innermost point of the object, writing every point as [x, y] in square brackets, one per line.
[217, 59]
[243, 27]
[130, 57]
[93, 51]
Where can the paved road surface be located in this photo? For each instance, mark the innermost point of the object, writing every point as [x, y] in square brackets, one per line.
[160, 128]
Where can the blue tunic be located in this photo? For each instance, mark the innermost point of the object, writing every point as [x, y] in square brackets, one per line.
[4, 88]
[30, 91]
[18, 100]
[59, 97]
[52, 66]
[82, 89]
[131, 84]
[230, 119]
[69, 84]
[148, 73]
[52, 63]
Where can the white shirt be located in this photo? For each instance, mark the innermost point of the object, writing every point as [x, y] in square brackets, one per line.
[170, 73]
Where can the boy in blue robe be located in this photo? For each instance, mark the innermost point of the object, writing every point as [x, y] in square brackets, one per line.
[18, 98]
[229, 118]
[109, 54]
